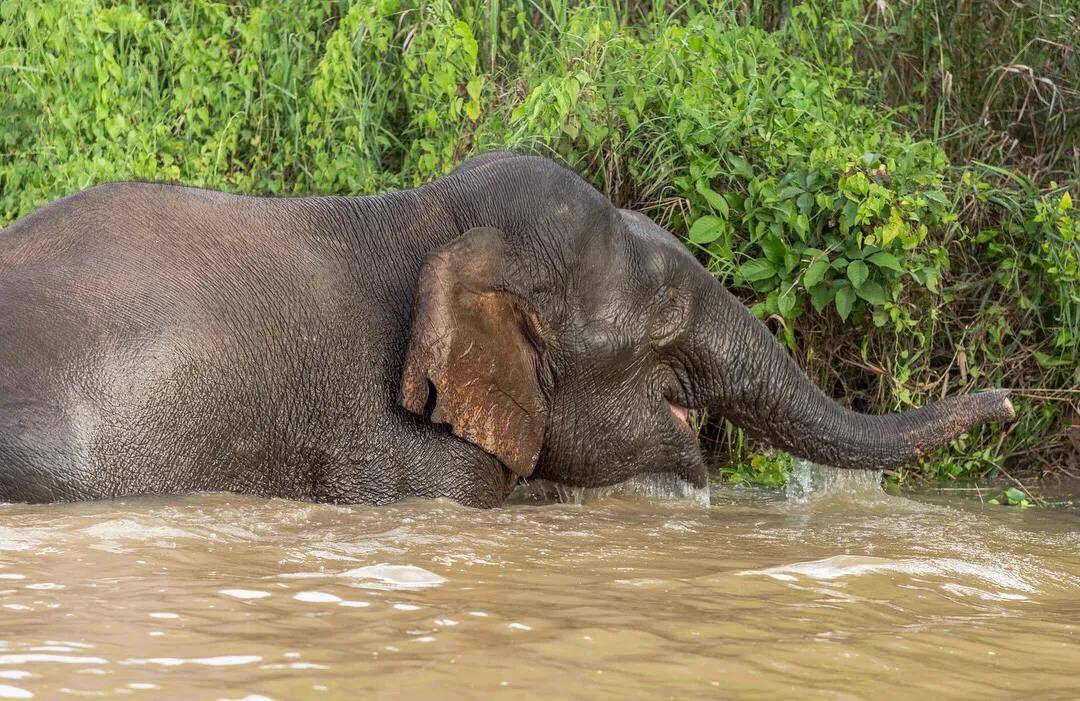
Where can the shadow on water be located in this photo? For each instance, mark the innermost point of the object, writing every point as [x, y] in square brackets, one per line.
[647, 590]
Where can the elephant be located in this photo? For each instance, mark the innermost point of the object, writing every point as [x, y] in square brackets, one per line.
[505, 322]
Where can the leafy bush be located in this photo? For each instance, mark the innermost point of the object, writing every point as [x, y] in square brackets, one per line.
[794, 158]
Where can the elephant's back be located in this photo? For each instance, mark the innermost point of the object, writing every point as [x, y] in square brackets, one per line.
[135, 253]
[178, 336]
[112, 269]
[155, 228]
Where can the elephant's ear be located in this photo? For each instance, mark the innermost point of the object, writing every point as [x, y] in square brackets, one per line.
[473, 341]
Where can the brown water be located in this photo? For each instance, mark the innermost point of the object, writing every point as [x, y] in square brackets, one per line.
[848, 594]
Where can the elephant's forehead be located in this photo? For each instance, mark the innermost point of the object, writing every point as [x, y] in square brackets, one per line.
[647, 230]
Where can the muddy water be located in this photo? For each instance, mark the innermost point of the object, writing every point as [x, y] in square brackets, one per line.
[849, 594]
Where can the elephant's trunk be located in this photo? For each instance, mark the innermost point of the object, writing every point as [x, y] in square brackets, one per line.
[752, 381]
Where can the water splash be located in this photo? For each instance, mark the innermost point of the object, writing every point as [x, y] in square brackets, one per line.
[657, 487]
[810, 479]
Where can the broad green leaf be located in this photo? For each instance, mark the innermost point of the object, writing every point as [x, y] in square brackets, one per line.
[931, 279]
[770, 303]
[857, 272]
[715, 200]
[821, 295]
[845, 298]
[872, 292]
[474, 87]
[573, 89]
[937, 196]
[848, 217]
[884, 259]
[757, 269]
[786, 303]
[773, 248]
[802, 226]
[892, 228]
[815, 272]
[740, 167]
[791, 260]
[706, 230]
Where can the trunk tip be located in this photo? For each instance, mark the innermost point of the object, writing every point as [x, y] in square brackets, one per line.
[1004, 411]
[1010, 411]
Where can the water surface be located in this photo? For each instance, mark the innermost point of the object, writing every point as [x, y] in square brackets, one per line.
[848, 594]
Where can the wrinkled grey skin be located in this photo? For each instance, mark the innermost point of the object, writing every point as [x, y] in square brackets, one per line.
[157, 339]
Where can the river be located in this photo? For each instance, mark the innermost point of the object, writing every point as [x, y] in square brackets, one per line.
[846, 593]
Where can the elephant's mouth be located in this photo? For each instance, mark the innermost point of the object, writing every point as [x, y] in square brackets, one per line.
[681, 414]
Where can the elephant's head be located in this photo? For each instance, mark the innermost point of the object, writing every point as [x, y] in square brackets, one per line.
[568, 338]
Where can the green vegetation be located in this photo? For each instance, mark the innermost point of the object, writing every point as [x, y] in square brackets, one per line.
[891, 184]
[773, 470]
[1011, 497]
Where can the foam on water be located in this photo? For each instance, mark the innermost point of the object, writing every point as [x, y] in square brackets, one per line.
[841, 566]
[244, 593]
[387, 577]
[218, 661]
[317, 597]
[126, 528]
[658, 487]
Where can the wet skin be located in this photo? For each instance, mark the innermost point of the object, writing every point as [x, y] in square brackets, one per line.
[505, 321]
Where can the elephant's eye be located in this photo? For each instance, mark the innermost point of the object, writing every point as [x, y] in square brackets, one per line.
[668, 314]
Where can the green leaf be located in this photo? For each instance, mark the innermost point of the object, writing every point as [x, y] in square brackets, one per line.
[706, 230]
[757, 269]
[892, 228]
[931, 279]
[821, 295]
[815, 272]
[845, 298]
[1014, 495]
[573, 89]
[857, 272]
[715, 200]
[884, 259]
[791, 260]
[937, 196]
[786, 303]
[773, 248]
[740, 167]
[848, 216]
[474, 87]
[872, 292]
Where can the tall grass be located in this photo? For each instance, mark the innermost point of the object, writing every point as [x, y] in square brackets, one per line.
[889, 183]
[996, 81]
